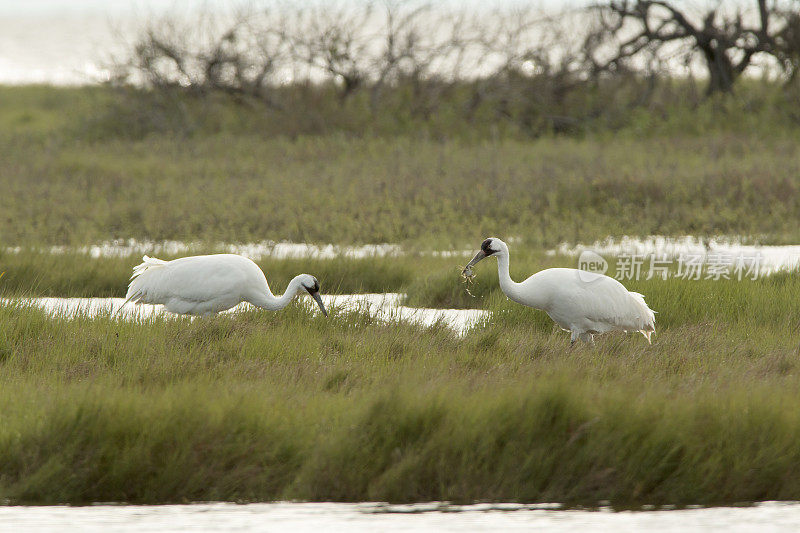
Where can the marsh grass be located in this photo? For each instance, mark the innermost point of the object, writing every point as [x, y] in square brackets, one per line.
[32, 272]
[426, 280]
[232, 184]
[39, 272]
[429, 279]
[257, 406]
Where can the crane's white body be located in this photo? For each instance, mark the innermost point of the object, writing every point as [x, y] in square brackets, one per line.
[207, 284]
[583, 303]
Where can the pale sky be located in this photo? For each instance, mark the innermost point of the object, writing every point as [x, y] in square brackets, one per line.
[69, 41]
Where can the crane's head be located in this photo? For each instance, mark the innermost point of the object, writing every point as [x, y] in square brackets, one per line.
[490, 246]
[311, 284]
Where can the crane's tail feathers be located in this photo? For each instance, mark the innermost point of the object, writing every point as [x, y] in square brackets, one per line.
[147, 263]
[135, 297]
[142, 278]
[647, 315]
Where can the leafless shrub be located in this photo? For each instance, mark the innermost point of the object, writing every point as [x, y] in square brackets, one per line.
[787, 41]
[354, 46]
[413, 60]
[240, 55]
[725, 39]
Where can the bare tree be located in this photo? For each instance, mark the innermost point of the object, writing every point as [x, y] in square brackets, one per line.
[509, 66]
[333, 41]
[406, 50]
[787, 41]
[427, 49]
[727, 41]
[238, 56]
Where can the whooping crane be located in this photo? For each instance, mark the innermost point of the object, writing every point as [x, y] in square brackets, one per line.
[207, 284]
[581, 302]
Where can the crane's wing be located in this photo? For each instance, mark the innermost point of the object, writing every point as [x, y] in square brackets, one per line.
[607, 304]
[608, 301]
[190, 279]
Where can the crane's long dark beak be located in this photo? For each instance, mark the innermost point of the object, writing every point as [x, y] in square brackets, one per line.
[475, 260]
[317, 297]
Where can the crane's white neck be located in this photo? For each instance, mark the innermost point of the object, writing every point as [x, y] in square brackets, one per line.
[508, 285]
[275, 303]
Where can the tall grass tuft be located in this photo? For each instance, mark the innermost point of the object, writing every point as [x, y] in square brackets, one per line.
[259, 406]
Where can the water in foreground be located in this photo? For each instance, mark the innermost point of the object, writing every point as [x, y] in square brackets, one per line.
[385, 307]
[314, 517]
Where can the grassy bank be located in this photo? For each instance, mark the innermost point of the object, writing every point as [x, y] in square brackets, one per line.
[428, 280]
[261, 406]
[431, 281]
[433, 195]
[75, 274]
[62, 185]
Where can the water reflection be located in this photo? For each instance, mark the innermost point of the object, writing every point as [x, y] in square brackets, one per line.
[386, 307]
[369, 517]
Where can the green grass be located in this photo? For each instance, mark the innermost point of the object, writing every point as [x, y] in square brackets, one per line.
[429, 280]
[76, 274]
[63, 186]
[260, 406]
[429, 194]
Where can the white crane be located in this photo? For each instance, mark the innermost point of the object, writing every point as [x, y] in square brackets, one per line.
[207, 284]
[583, 303]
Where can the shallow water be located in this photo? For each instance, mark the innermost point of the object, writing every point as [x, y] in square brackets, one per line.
[335, 517]
[771, 258]
[253, 250]
[386, 307]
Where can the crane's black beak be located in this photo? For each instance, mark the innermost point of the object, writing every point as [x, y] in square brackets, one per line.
[317, 297]
[475, 260]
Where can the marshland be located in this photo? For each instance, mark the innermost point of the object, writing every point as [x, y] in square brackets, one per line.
[259, 406]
